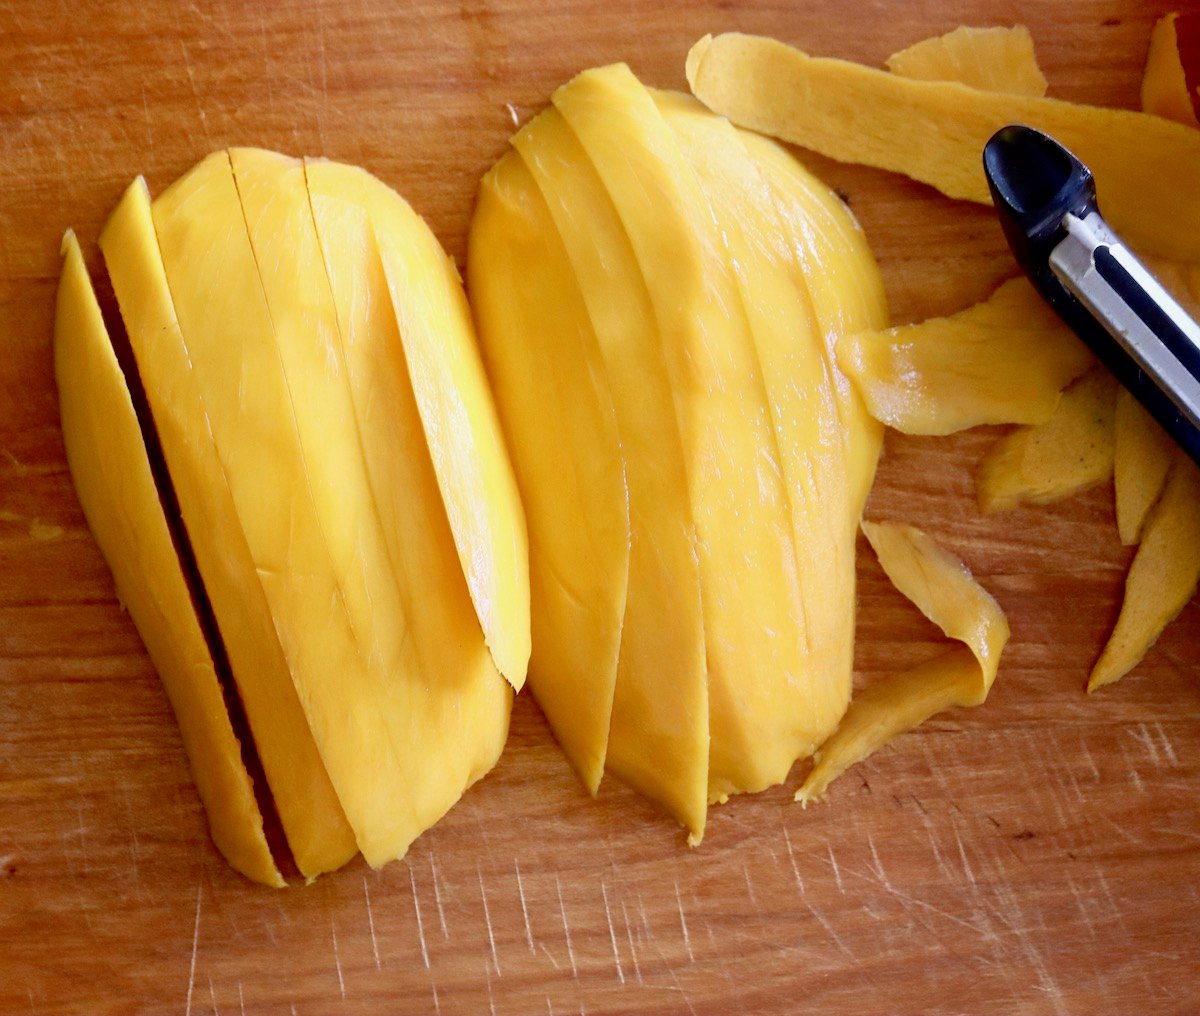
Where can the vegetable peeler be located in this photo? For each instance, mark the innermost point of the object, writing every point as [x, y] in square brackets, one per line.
[1046, 200]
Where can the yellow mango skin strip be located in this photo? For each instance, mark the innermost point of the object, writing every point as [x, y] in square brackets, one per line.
[942, 588]
[659, 728]
[448, 705]
[1004, 360]
[317, 832]
[1142, 455]
[748, 573]
[1162, 578]
[935, 131]
[228, 334]
[786, 712]
[995, 59]
[116, 488]
[555, 403]
[1047, 462]
[1164, 84]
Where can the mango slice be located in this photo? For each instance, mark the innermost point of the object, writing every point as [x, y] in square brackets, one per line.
[1165, 89]
[1162, 578]
[658, 734]
[934, 131]
[945, 592]
[116, 488]
[464, 436]
[317, 832]
[449, 704]
[994, 59]
[544, 363]
[1001, 361]
[1142, 454]
[1069, 452]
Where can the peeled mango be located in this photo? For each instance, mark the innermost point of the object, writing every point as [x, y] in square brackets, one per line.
[311, 373]
[696, 280]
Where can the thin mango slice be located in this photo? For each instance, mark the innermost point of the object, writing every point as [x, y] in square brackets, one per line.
[1142, 454]
[1004, 360]
[461, 427]
[934, 131]
[449, 704]
[318, 835]
[786, 712]
[544, 363]
[995, 59]
[1069, 452]
[944, 590]
[1165, 89]
[113, 478]
[658, 735]
[1162, 578]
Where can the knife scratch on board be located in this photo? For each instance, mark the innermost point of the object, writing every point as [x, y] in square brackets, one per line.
[195, 947]
[371, 924]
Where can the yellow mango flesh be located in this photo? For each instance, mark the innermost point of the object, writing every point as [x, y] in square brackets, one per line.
[944, 591]
[1142, 454]
[448, 704]
[995, 59]
[833, 262]
[1164, 85]
[934, 131]
[791, 708]
[751, 600]
[658, 732]
[544, 363]
[242, 371]
[1004, 360]
[1052, 460]
[1162, 578]
[463, 433]
[317, 832]
[120, 500]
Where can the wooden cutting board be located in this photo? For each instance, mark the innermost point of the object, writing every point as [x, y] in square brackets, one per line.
[1041, 853]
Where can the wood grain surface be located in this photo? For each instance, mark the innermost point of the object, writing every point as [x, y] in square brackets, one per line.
[1039, 854]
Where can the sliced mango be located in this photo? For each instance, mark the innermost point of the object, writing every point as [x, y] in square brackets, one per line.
[317, 832]
[994, 59]
[555, 402]
[459, 417]
[658, 736]
[120, 500]
[1001, 361]
[1142, 454]
[944, 590]
[1047, 462]
[449, 706]
[784, 712]
[753, 620]
[1165, 89]
[241, 368]
[934, 131]
[1162, 578]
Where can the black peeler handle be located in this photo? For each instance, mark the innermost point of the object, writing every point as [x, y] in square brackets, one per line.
[1046, 200]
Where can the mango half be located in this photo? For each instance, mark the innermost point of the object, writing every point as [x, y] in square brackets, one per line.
[311, 375]
[658, 296]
